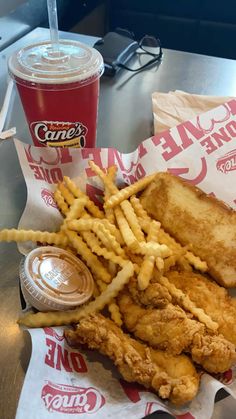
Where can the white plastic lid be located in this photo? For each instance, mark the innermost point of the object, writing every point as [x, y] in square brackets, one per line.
[54, 279]
[40, 63]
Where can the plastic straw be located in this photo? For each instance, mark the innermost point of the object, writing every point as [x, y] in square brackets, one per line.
[5, 106]
[53, 23]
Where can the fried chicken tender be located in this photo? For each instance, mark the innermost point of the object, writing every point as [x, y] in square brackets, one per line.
[171, 377]
[172, 330]
[209, 296]
[197, 220]
[155, 295]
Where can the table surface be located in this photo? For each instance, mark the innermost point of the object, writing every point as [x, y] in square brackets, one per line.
[125, 119]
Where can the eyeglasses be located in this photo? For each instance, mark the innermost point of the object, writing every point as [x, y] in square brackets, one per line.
[148, 45]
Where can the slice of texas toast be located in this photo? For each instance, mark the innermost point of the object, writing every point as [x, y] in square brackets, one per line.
[198, 220]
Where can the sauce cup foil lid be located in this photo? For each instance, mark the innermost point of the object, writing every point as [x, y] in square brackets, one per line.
[54, 279]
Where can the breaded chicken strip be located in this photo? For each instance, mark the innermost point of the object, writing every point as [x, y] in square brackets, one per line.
[172, 330]
[209, 296]
[193, 218]
[171, 377]
[155, 295]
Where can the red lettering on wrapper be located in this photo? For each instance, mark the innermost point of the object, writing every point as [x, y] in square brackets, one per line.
[189, 128]
[231, 128]
[227, 163]
[60, 358]
[71, 399]
[209, 145]
[65, 156]
[138, 174]
[95, 194]
[48, 198]
[221, 137]
[48, 175]
[78, 362]
[168, 143]
[63, 359]
[49, 358]
[54, 156]
[198, 179]
[232, 106]
[209, 122]
[51, 332]
[133, 390]
[115, 158]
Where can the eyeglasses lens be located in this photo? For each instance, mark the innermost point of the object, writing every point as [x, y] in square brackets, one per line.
[150, 45]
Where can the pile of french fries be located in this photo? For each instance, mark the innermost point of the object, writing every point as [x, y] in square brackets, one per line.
[116, 243]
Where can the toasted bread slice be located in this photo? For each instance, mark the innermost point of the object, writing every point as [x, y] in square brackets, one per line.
[194, 218]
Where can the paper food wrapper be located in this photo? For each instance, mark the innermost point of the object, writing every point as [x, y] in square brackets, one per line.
[60, 381]
[170, 109]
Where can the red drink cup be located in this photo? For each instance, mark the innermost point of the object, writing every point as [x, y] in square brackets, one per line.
[59, 91]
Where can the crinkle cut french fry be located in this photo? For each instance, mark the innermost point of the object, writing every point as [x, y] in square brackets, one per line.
[170, 261]
[90, 259]
[113, 230]
[153, 231]
[184, 301]
[132, 220]
[196, 262]
[92, 208]
[165, 238]
[108, 254]
[106, 180]
[112, 268]
[111, 173]
[139, 210]
[160, 264]
[101, 231]
[15, 235]
[126, 232]
[67, 195]
[180, 255]
[111, 227]
[76, 209]
[152, 249]
[127, 192]
[184, 264]
[101, 285]
[147, 267]
[60, 318]
[115, 313]
[60, 201]
[145, 272]
[94, 244]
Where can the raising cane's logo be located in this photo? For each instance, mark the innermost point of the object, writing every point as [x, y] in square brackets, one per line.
[71, 399]
[60, 134]
[227, 163]
[47, 196]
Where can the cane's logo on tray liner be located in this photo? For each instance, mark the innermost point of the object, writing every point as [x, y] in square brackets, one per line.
[60, 134]
[47, 196]
[227, 163]
[71, 399]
